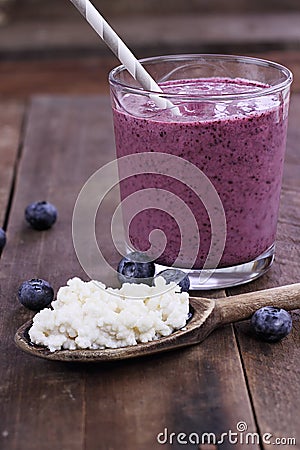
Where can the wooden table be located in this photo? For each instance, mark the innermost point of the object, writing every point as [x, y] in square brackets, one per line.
[48, 150]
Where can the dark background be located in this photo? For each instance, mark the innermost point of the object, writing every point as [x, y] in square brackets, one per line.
[47, 47]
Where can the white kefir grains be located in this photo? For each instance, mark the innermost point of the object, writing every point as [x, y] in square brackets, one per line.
[89, 315]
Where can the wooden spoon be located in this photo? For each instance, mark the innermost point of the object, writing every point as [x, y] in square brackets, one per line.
[207, 314]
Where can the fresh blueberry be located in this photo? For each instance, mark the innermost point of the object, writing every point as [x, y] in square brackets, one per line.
[35, 294]
[136, 267]
[271, 324]
[178, 276]
[41, 215]
[2, 239]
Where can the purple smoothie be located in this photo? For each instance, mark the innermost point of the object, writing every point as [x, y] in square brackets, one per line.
[238, 144]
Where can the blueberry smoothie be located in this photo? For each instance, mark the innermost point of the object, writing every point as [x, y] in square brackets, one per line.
[237, 142]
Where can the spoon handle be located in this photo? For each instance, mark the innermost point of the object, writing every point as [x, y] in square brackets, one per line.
[242, 306]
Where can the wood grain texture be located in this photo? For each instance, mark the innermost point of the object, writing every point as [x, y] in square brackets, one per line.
[34, 9]
[80, 75]
[193, 390]
[119, 405]
[44, 404]
[184, 32]
[11, 116]
[241, 307]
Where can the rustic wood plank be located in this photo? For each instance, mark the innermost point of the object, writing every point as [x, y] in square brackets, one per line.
[11, 116]
[44, 404]
[291, 179]
[288, 58]
[88, 75]
[200, 389]
[35, 9]
[23, 78]
[196, 390]
[276, 395]
[193, 32]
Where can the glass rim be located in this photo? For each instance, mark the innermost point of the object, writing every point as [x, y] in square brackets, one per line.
[208, 56]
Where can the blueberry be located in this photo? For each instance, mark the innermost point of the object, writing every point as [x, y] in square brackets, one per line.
[35, 294]
[2, 239]
[271, 324]
[136, 267]
[178, 276]
[41, 215]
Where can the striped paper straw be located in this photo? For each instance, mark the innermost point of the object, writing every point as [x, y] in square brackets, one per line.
[122, 52]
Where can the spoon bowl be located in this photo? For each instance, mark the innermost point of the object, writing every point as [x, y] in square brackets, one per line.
[207, 314]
